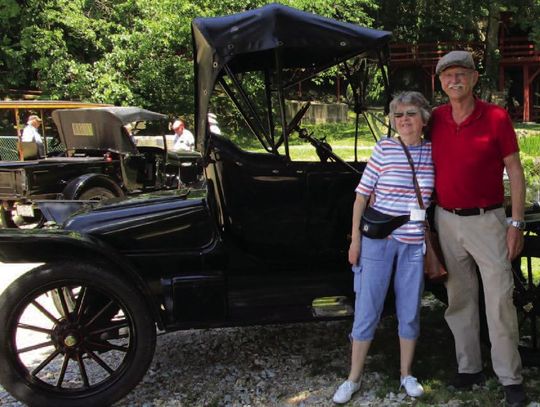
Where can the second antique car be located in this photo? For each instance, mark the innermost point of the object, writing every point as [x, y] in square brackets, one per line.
[264, 242]
[101, 161]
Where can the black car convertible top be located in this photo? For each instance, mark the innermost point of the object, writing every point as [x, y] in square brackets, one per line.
[100, 128]
[274, 37]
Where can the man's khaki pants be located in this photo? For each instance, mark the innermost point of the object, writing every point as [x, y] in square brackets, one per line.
[480, 240]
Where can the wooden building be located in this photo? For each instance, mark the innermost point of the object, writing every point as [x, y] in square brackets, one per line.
[413, 67]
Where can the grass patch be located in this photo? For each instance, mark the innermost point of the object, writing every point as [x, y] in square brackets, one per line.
[339, 135]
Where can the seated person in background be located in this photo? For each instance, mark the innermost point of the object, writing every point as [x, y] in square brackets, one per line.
[31, 133]
[183, 138]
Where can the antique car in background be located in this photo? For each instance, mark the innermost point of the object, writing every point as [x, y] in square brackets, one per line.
[15, 112]
[264, 242]
[101, 161]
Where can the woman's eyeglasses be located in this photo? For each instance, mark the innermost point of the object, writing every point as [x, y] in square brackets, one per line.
[408, 113]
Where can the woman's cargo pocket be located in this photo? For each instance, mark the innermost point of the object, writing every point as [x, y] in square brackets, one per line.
[415, 253]
[357, 271]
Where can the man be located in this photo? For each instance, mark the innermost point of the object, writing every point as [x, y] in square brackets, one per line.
[183, 139]
[31, 133]
[473, 142]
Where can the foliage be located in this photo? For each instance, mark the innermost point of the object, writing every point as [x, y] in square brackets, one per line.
[415, 21]
[139, 51]
[120, 51]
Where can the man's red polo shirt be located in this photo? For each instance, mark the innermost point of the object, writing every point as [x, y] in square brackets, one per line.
[468, 158]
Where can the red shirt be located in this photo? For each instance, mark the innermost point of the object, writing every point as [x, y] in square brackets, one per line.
[468, 158]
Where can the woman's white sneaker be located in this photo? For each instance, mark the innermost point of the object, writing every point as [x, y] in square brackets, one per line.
[345, 391]
[412, 387]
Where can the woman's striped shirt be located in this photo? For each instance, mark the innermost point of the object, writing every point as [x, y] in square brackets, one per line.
[389, 176]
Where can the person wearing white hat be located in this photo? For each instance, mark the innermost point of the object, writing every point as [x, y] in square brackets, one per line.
[473, 142]
[31, 133]
[183, 138]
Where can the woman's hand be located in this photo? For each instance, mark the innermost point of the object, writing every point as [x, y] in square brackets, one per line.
[356, 238]
[354, 251]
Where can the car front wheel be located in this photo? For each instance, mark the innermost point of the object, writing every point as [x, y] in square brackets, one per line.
[91, 350]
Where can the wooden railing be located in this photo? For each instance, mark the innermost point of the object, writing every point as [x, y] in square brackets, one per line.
[427, 54]
[518, 49]
[513, 50]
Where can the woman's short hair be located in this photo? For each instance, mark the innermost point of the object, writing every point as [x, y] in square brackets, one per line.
[410, 98]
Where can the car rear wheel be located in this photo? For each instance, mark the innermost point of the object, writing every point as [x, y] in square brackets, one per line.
[97, 194]
[92, 351]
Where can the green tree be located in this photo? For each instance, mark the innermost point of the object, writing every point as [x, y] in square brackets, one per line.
[120, 51]
[139, 51]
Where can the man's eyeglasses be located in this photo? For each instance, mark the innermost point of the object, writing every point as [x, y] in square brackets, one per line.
[408, 113]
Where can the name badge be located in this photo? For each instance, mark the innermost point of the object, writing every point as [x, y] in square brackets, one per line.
[418, 214]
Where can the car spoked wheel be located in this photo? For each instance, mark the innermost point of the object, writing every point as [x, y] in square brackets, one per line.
[97, 194]
[527, 300]
[90, 348]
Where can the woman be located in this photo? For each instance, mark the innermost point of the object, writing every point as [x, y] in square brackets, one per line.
[389, 178]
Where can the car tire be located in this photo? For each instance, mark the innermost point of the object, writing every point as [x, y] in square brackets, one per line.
[91, 353]
[97, 194]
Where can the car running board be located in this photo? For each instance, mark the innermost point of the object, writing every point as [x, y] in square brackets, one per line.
[331, 307]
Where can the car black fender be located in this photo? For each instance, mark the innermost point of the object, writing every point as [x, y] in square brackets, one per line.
[78, 185]
[47, 246]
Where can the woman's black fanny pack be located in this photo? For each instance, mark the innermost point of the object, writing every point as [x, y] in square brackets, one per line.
[378, 225]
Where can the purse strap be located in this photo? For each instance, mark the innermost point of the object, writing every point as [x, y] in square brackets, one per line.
[415, 180]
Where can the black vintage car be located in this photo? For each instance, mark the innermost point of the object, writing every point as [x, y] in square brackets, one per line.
[102, 161]
[264, 242]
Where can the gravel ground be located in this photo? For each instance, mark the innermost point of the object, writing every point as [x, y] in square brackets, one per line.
[274, 365]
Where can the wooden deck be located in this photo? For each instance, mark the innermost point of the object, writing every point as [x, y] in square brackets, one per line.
[514, 51]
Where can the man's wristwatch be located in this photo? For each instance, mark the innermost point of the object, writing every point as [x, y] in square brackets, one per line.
[518, 224]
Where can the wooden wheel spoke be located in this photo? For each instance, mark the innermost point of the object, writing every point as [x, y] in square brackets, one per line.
[82, 369]
[44, 311]
[99, 313]
[100, 362]
[107, 346]
[48, 360]
[34, 328]
[61, 292]
[62, 372]
[81, 303]
[35, 347]
[114, 325]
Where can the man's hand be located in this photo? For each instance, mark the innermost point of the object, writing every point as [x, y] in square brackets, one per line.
[514, 241]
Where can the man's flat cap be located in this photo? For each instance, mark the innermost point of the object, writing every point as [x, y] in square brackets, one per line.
[455, 58]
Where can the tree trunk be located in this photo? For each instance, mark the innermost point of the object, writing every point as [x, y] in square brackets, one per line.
[491, 56]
